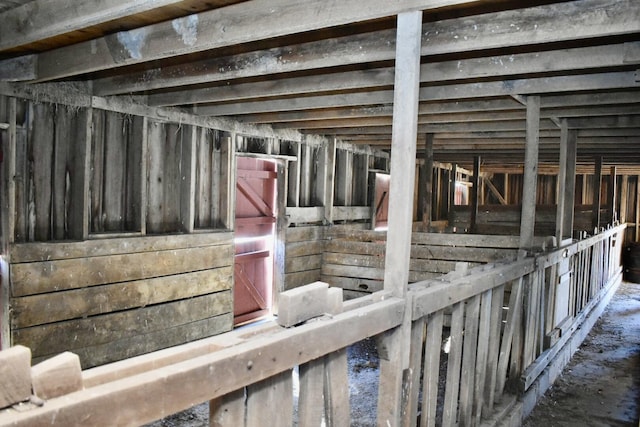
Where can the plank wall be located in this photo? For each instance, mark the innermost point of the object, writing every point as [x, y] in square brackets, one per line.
[95, 262]
[111, 299]
[354, 259]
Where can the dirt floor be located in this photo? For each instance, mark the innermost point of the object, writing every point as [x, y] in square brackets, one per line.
[601, 384]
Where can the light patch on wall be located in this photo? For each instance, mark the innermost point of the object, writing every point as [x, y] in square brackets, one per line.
[133, 41]
[187, 27]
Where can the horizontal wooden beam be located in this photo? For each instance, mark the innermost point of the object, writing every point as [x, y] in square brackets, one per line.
[39, 20]
[537, 25]
[493, 67]
[541, 85]
[214, 29]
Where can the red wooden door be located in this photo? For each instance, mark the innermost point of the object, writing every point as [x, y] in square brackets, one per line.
[255, 229]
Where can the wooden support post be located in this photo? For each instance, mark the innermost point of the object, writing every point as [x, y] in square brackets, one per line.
[570, 186]
[398, 248]
[612, 194]
[336, 370]
[7, 222]
[530, 178]
[228, 188]
[293, 193]
[624, 198]
[475, 192]
[428, 182]
[452, 193]
[228, 410]
[281, 232]
[188, 180]
[143, 182]
[506, 188]
[330, 180]
[562, 180]
[597, 184]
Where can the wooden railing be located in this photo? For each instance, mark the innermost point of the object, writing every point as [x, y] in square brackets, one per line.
[495, 354]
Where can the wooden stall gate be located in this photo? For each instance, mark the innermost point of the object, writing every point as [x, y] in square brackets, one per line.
[254, 238]
[499, 362]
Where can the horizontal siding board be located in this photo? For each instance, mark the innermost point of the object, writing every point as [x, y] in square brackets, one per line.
[353, 247]
[51, 276]
[302, 234]
[352, 271]
[303, 263]
[104, 329]
[304, 249]
[30, 252]
[294, 280]
[140, 344]
[53, 307]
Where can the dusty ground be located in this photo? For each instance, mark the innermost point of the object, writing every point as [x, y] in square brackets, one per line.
[601, 384]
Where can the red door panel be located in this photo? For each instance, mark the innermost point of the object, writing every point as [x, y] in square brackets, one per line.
[255, 227]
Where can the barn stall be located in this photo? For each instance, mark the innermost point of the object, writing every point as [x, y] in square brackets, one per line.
[171, 170]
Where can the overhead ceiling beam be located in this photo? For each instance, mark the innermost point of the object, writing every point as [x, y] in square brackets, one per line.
[629, 121]
[536, 25]
[585, 82]
[217, 28]
[41, 19]
[468, 116]
[376, 111]
[494, 67]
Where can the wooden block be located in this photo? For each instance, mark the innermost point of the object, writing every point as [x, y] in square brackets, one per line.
[303, 303]
[57, 376]
[15, 374]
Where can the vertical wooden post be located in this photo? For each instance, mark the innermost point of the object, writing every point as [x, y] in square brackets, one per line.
[8, 205]
[562, 180]
[143, 182]
[452, 193]
[228, 190]
[330, 180]
[475, 192]
[281, 233]
[394, 345]
[506, 188]
[428, 182]
[188, 180]
[612, 194]
[530, 178]
[597, 184]
[624, 198]
[570, 186]
[293, 192]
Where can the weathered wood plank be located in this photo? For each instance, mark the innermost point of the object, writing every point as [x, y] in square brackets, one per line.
[54, 307]
[301, 234]
[497, 299]
[228, 410]
[40, 154]
[303, 263]
[484, 336]
[469, 361]
[15, 369]
[510, 330]
[274, 394]
[303, 303]
[49, 276]
[57, 376]
[431, 369]
[452, 390]
[304, 248]
[49, 251]
[54, 338]
[301, 278]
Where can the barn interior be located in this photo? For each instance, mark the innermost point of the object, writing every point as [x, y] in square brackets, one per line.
[171, 170]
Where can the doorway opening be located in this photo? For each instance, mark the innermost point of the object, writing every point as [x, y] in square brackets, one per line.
[255, 228]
